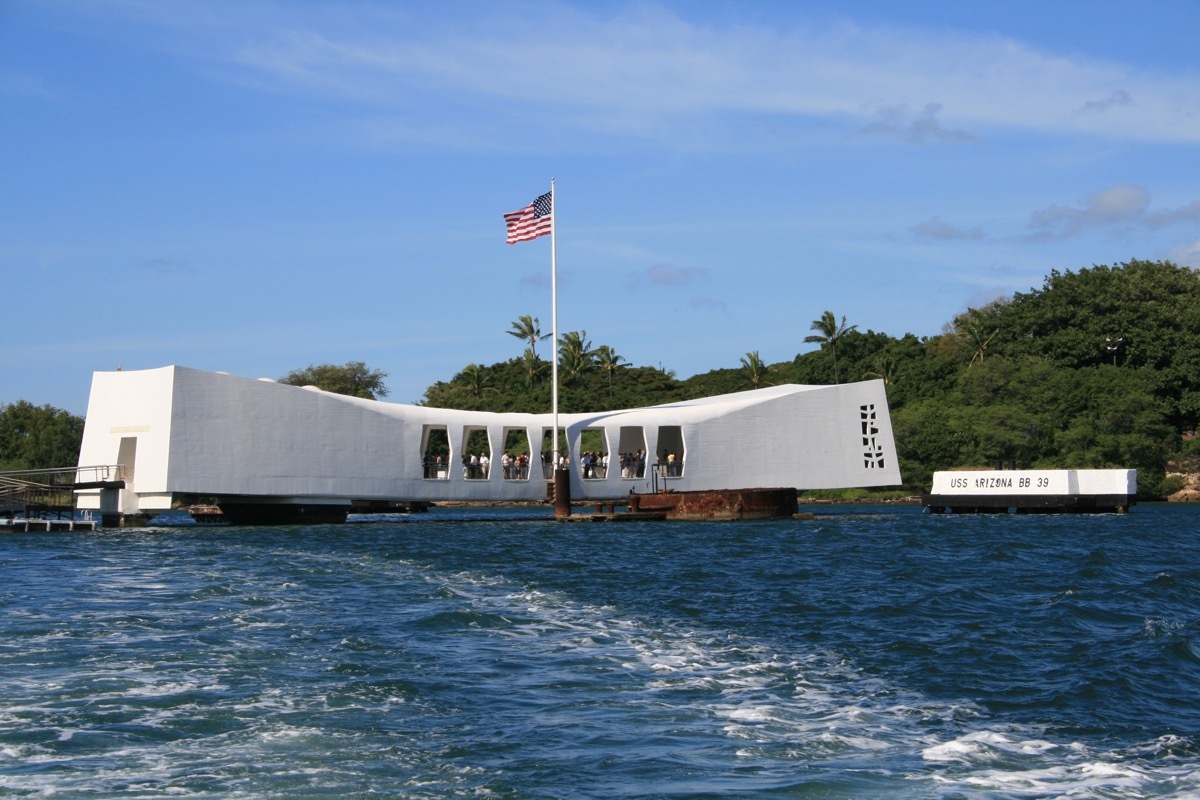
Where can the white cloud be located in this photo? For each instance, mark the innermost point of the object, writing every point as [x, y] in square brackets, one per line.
[667, 275]
[900, 122]
[645, 71]
[1120, 97]
[1184, 214]
[935, 228]
[1114, 206]
[708, 304]
[1187, 254]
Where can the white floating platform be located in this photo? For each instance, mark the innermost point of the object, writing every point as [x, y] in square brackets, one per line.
[1031, 491]
[21, 525]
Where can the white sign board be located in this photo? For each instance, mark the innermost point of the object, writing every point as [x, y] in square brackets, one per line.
[1036, 482]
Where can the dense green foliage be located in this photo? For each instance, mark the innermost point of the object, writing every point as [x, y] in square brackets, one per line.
[352, 378]
[1098, 368]
[1142, 316]
[38, 437]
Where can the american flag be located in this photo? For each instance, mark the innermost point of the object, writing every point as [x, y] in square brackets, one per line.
[530, 222]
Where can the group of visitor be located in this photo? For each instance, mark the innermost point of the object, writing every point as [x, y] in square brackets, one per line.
[435, 467]
[475, 466]
[593, 465]
[514, 468]
[670, 463]
[633, 465]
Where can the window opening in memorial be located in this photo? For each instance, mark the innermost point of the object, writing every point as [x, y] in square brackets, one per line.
[435, 453]
[547, 452]
[670, 456]
[593, 454]
[631, 452]
[872, 444]
[515, 464]
[476, 454]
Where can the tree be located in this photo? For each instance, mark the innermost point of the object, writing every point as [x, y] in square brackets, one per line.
[474, 379]
[528, 329]
[1150, 308]
[575, 354]
[925, 441]
[979, 340]
[353, 379]
[532, 366]
[753, 369]
[715, 382]
[829, 331]
[608, 360]
[38, 437]
[884, 369]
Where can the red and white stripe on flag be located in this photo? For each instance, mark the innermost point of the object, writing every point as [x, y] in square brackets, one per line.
[530, 222]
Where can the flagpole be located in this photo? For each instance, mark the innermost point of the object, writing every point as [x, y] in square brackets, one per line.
[554, 319]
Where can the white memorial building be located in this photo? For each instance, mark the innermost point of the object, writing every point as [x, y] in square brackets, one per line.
[176, 433]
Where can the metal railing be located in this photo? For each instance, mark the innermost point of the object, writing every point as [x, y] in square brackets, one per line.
[64, 476]
[42, 492]
[103, 473]
[658, 471]
[633, 470]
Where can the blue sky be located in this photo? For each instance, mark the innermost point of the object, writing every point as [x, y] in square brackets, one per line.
[257, 186]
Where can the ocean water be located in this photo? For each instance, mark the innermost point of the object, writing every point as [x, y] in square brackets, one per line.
[869, 652]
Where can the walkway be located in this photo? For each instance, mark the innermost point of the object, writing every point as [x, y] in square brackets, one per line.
[44, 499]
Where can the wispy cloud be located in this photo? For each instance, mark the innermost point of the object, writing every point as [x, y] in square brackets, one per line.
[1107, 208]
[667, 275]
[676, 279]
[1119, 209]
[1184, 214]
[709, 304]
[919, 128]
[648, 72]
[1187, 254]
[935, 228]
[1118, 98]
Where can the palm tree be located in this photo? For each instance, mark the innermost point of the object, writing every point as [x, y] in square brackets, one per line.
[754, 369]
[528, 329]
[532, 366]
[829, 331]
[885, 370]
[608, 360]
[575, 353]
[475, 380]
[978, 339]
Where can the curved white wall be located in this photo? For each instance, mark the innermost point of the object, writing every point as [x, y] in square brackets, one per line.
[215, 434]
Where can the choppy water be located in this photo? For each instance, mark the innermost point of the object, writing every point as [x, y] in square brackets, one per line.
[867, 653]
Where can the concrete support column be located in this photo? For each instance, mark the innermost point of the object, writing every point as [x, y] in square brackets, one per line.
[562, 493]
